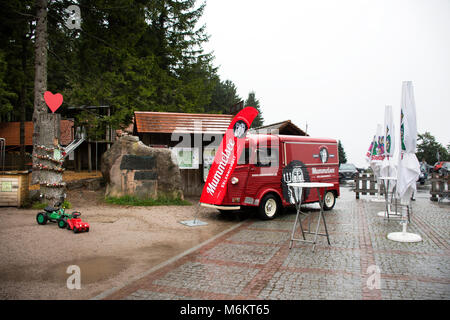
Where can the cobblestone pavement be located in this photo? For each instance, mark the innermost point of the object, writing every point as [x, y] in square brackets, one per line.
[253, 261]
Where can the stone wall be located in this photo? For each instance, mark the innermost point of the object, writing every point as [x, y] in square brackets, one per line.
[131, 168]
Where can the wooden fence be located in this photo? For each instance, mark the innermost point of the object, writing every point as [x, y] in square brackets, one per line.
[439, 187]
[366, 183]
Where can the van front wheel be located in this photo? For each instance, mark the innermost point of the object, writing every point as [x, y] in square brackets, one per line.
[329, 201]
[268, 207]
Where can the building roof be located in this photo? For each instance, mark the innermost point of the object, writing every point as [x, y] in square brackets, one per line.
[11, 132]
[284, 128]
[169, 122]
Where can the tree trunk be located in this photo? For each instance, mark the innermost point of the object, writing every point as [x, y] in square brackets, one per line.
[22, 99]
[89, 157]
[47, 169]
[51, 184]
[40, 78]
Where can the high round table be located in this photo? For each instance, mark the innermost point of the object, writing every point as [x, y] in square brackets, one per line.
[388, 213]
[298, 186]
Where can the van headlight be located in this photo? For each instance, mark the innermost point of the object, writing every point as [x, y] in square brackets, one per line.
[234, 180]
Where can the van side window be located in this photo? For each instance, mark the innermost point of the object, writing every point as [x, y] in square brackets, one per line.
[245, 156]
[267, 157]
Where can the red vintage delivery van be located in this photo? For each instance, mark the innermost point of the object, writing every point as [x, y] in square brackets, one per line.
[269, 162]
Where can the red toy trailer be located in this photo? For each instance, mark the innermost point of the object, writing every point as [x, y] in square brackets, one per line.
[269, 162]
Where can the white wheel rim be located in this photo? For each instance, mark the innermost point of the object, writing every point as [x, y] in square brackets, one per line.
[329, 199]
[271, 207]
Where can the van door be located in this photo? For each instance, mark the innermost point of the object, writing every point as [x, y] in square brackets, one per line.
[264, 172]
[238, 181]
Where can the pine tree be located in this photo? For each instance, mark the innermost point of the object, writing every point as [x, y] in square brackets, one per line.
[223, 97]
[16, 57]
[342, 155]
[253, 102]
[130, 55]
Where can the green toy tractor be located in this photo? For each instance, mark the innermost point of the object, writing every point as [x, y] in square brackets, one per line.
[53, 214]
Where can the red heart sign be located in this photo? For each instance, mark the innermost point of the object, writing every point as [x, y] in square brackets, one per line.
[54, 101]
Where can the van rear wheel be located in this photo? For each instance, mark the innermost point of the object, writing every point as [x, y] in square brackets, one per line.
[329, 201]
[269, 207]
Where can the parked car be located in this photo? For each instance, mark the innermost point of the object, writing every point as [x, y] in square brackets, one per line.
[438, 166]
[445, 168]
[347, 171]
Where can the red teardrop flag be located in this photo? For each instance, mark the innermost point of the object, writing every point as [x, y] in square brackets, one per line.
[226, 157]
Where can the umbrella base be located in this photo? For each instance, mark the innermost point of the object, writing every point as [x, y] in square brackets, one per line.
[193, 223]
[404, 237]
[392, 214]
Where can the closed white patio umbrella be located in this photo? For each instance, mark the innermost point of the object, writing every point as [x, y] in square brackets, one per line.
[376, 159]
[408, 165]
[388, 168]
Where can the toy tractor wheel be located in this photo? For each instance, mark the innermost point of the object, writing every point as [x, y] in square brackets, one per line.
[75, 230]
[87, 229]
[41, 218]
[61, 223]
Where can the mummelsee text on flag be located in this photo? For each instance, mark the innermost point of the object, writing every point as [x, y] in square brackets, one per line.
[226, 157]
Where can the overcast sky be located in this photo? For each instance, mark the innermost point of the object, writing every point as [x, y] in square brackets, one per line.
[335, 64]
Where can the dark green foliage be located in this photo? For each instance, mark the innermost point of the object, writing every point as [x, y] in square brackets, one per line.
[223, 97]
[133, 201]
[342, 155]
[428, 147]
[16, 60]
[129, 54]
[253, 102]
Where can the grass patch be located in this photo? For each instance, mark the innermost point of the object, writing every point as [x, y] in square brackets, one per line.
[133, 201]
[67, 205]
[40, 206]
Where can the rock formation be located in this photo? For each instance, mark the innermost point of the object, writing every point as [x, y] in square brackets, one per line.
[131, 168]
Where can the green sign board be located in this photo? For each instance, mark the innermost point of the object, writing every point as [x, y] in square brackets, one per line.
[186, 158]
[6, 186]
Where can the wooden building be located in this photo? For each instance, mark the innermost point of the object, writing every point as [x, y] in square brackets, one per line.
[193, 138]
[10, 131]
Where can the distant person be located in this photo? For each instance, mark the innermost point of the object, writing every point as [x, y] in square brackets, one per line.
[424, 166]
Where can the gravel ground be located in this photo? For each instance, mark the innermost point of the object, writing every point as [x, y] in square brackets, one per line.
[123, 242]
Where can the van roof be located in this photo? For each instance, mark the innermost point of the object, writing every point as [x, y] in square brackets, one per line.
[284, 138]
